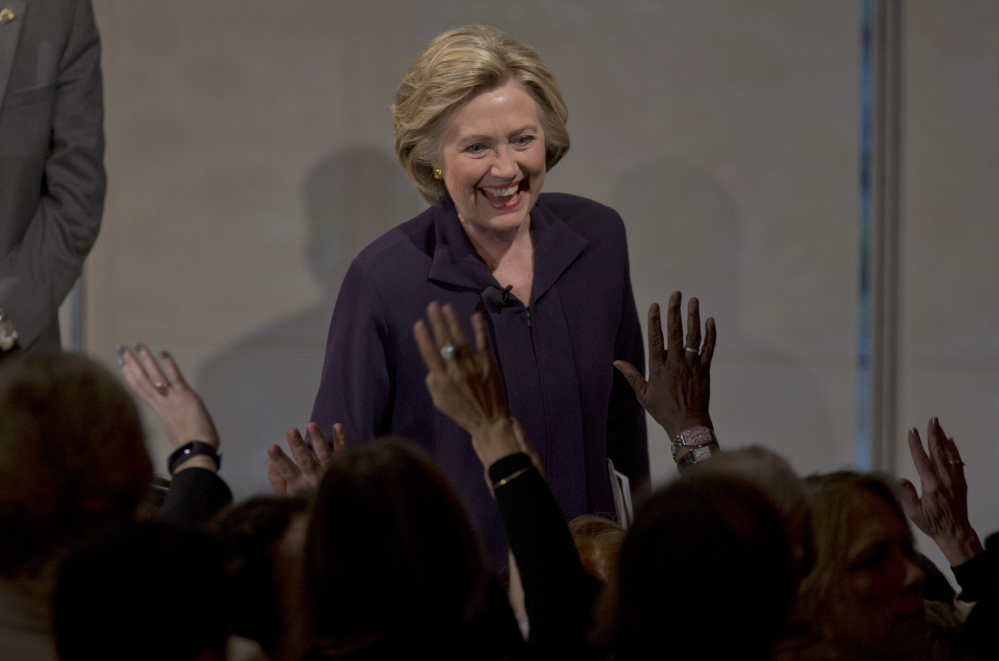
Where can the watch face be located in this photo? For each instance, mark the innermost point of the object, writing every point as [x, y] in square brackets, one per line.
[698, 436]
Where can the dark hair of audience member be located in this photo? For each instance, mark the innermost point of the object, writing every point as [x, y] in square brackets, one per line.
[390, 551]
[152, 590]
[250, 534]
[71, 456]
[598, 541]
[706, 572]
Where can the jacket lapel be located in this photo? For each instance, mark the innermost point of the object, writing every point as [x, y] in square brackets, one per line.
[556, 247]
[455, 261]
[10, 33]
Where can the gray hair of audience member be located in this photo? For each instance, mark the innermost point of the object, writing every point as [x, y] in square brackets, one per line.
[72, 456]
[707, 549]
[774, 477]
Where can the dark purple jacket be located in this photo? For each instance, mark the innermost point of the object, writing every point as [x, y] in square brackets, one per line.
[555, 355]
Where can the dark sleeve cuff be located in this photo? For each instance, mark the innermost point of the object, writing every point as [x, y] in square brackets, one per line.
[195, 496]
[973, 576]
[507, 466]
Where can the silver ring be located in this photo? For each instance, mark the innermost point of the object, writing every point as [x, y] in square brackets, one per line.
[691, 350]
[449, 351]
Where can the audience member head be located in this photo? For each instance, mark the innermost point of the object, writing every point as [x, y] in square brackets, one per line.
[71, 456]
[705, 572]
[598, 542]
[865, 593]
[454, 67]
[263, 540]
[774, 477]
[390, 551]
[152, 590]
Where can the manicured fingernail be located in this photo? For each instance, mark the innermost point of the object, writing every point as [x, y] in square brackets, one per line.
[164, 355]
[119, 349]
[272, 452]
[121, 362]
[137, 346]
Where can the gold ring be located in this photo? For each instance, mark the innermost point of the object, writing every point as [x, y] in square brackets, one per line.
[161, 388]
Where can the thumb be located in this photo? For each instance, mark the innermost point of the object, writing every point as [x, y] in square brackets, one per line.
[634, 377]
[910, 498]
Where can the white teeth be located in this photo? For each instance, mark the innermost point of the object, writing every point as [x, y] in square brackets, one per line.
[502, 192]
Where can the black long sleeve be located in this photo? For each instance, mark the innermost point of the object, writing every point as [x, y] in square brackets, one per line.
[195, 496]
[559, 594]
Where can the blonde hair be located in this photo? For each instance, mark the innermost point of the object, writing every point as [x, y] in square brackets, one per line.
[453, 68]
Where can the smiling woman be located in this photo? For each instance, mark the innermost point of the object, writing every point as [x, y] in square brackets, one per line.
[479, 120]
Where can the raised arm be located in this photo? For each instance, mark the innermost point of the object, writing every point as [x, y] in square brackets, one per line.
[678, 389]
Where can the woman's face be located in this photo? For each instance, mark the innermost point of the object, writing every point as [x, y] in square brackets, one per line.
[493, 159]
[876, 605]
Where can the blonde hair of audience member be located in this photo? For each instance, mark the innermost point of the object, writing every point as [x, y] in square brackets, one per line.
[72, 457]
[453, 68]
[865, 594]
[598, 541]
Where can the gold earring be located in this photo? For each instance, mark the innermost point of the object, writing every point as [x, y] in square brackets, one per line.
[438, 174]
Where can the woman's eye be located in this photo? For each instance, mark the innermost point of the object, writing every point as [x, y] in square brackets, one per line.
[524, 140]
[475, 149]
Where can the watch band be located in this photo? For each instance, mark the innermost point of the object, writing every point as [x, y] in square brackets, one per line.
[192, 449]
[8, 334]
[695, 456]
[692, 437]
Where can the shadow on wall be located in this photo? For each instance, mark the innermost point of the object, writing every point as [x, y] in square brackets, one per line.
[266, 382]
[685, 233]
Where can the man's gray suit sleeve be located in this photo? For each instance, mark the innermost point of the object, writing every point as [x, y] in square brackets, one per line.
[36, 275]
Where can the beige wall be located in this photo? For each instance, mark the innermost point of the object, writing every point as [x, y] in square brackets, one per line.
[949, 345]
[250, 157]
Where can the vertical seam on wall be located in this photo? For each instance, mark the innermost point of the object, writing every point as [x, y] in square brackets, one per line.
[863, 445]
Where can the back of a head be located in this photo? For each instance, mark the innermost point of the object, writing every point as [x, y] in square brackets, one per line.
[250, 534]
[151, 591]
[389, 548]
[770, 473]
[71, 455]
[598, 541]
[705, 572]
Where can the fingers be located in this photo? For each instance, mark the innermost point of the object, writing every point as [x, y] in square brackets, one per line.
[320, 447]
[910, 499]
[281, 464]
[428, 350]
[657, 350]
[481, 334]
[674, 326]
[442, 335]
[455, 330]
[339, 438]
[708, 352]
[172, 371]
[300, 451]
[693, 326]
[151, 367]
[278, 484]
[136, 377]
[923, 464]
[634, 377]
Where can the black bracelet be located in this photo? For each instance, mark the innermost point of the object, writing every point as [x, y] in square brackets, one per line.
[192, 449]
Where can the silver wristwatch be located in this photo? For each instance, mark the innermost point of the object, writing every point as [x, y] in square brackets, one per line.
[693, 437]
[8, 334]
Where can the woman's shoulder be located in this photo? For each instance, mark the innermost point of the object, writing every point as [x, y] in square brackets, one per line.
[410, 243]
[591, 219]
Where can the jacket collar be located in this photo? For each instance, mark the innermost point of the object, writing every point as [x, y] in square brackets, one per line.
[455, 262]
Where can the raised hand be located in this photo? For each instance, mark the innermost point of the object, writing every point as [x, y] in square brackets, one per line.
[677, 392]
[289, 477]
[180, 409]
[466, 385]
[942, 511]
